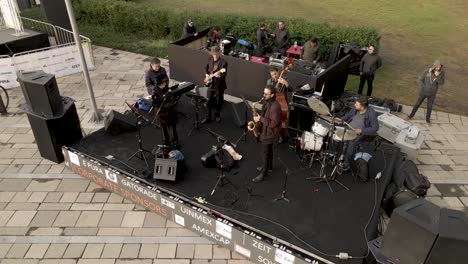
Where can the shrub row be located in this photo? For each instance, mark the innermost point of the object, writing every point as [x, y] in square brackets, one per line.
[128, 17]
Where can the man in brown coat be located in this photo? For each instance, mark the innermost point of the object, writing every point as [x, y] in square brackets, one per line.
[270, 123]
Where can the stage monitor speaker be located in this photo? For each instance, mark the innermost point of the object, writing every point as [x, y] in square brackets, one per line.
[51, 134]
[452, 244]
[202, 91]
[56, 13]
[412, 232]
[41, 93]
[166, 169]
[241, 114]
[117, 123]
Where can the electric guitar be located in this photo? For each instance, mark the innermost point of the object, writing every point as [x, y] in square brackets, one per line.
[209, 77]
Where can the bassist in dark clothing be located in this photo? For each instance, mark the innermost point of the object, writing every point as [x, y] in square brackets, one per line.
[215, 79]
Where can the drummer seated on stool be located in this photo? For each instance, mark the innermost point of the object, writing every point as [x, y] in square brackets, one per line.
[363, 120]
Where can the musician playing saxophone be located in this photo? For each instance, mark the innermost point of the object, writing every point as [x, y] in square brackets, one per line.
[216, 82]
[270, 122]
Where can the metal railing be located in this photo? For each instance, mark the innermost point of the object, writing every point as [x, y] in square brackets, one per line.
[61, 35]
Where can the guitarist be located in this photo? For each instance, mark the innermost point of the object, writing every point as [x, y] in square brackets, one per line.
[216, 69]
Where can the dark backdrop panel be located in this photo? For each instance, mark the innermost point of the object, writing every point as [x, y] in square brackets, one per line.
[56, 13]
[334, 78]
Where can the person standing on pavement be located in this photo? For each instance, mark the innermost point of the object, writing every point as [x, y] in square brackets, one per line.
[370, 63]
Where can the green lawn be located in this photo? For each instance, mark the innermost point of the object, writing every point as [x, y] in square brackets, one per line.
[414, 33]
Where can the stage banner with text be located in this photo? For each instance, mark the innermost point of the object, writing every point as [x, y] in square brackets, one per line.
[235, 236]
[61, 61]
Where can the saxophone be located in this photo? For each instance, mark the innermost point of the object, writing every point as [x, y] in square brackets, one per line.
[252, 125]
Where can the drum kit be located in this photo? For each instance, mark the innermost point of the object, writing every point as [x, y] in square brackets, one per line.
[327, 142]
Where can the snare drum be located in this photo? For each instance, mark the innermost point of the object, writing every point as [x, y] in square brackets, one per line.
[321, 127]
[311, 141]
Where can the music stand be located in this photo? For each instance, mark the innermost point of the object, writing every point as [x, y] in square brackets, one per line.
[196, 100]
[283, 196]
[140, 153]
[246, 121]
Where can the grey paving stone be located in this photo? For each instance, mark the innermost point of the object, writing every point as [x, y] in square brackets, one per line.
[74, 251]
[114, 198]
[45, 185]
[37, 197]
[100, 197]
[96, 261]
[21, 218]
[438, 201]
[172, 261]
[5, 216]
[57, 261]
[55, 251]
[238, 261]
[87, 206]
[154, 220]
[20, 261]
[3, 205]
[185, 251]
[118, 207]
[133, 261]
[148, 251]
[152, 232]
[27, 168]
[44, 218]
[53, 197]
[453, 202]
[84, 198]
[13, 168]
[37, 251]
[42, 168]
[167, 251]
[80, 231]
[67, 218]
[451, 190]
[45, 231]
[14, 184]
[4, 249]
[69, 197]
[111, 231]
[212, 261]
[221, 253]
[54, 206]
[130, 251]
[13, 231]
[73, 185]
[18, 250]
[176, 232]
[21, 197]
[203, 252]
[93, 250]
[133, 219]
[6, 196]
[111, 219]
[89, 219]
[111, 251]
[464, 200]
[22, 206]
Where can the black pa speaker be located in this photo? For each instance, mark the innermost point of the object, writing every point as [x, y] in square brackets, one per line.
[117, 123]
[41, 93]
[241, 114]
[56, 13]
[452, 244]
[166, 169]
[300, 118]
[51, 134]
[412, 232]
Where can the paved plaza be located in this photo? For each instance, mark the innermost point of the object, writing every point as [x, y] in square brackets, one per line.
[50, 215]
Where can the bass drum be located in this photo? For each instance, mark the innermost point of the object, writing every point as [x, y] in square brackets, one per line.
[311, 141]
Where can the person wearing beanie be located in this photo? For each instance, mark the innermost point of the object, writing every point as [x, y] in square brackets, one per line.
[363, 120]
[216, 69]
[429, 83]
[370, 63]
[189, 29]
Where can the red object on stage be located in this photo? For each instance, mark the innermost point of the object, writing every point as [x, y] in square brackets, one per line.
[293, 51]
[258, 60]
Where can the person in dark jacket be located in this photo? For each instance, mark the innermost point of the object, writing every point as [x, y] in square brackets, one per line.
[370, 63]
[262, 39]
[155, 73]
[189, 29]
[429, 83]
[270, 123]
[281, 35]
[165, 102]
[311, 51]
[363, 120]
[217, 67]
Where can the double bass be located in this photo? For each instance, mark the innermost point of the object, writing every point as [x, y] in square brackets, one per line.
[281, 98]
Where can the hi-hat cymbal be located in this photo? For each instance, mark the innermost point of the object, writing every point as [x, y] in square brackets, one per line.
[341, 135]
[318, 106]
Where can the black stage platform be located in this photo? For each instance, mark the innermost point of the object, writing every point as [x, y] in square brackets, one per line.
[11, 44]
[331, 222]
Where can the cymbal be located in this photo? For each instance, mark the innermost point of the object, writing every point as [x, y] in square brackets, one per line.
[340, 134]
[318, 106]
[329, 119]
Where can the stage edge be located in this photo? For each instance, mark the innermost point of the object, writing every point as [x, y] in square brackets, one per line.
[249, 242]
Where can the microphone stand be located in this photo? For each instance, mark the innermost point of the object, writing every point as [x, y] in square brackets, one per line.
[140, 153]
[283, 196]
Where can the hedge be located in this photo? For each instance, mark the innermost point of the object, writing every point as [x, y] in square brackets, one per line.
[132, 18]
